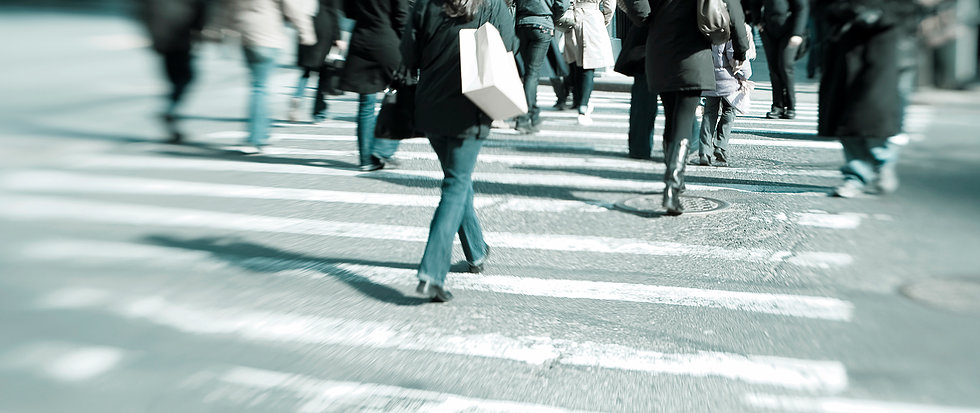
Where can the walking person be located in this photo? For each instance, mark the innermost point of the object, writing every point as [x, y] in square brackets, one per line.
[173, 25]
[587, 47]
[455, 127]
[730, 80]
[559, 76]
[313, 58]
[860, 98]
[372, 58]
[535, 30]
[678, 68]
[643, 101]
[260, 23]
[782, 25]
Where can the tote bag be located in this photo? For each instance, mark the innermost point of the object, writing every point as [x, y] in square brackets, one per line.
[489, 73]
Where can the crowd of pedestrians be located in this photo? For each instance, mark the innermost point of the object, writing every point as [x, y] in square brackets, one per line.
[668, 55]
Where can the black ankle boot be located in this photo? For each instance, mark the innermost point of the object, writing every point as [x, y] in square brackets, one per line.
[674, 177]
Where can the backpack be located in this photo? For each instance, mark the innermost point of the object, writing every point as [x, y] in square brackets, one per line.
[714, 21]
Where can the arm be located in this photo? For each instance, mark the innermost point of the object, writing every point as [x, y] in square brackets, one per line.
[301, 17]
[740, 40]
[638, 11]
[801, 11]
[607, 10]
[410, 46]
[503, 20]
[399, 16]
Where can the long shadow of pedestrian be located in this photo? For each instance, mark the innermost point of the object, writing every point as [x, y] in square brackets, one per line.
[260, 258]
[210, 151]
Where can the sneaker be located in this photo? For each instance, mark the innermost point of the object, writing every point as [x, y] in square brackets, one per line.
[524, 127]
[700, 160]
[887, 180]
[849, 189]
[788, 114]
[584, 119]
[720, 158]
[376, 163]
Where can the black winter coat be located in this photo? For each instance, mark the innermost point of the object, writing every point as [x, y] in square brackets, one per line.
[327, 26]
[373, 54]
[782, 18]
[859, 90]
[431, 44]
[171, 22]
[678, 55]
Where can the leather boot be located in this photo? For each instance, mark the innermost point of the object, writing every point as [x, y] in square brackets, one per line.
[674, 177]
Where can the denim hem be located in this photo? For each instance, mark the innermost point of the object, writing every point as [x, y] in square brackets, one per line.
[427, 278]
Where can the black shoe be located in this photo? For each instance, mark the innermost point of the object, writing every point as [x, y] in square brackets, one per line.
[376, 163]
[672, 202]
[720, 158]
[525, 127]
[701, 160]
[478, 268]
[676, 158]
[560, 105]
[788, 114]
[435, 292]
[775, 113]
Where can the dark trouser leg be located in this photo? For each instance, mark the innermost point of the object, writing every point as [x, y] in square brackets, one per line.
[574, 80]
[858, 161]
[773, 49]
[709, 123]
[322, 88]
[788, 73]
[180, 73]
[534, 43]
[455, 211]
[365, 126]
[679, 108]
[724, 129]
[643, 115]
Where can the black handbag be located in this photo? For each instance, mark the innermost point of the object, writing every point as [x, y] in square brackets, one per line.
[396, 120]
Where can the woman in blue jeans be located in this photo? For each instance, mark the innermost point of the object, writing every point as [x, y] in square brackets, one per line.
[455, 127]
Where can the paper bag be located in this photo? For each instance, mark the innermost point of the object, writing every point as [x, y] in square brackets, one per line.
[741, 98]
[489, 73]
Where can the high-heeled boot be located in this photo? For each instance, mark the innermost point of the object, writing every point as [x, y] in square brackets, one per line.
[674, 177]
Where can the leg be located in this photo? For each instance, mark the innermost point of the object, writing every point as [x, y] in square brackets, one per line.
[884, 154]
[180, 73]
[788, 64]
[586, 84]
[458, 159]
[261, 62]
[643, 115]
[858, 161]
[471, 234]
[320, 102]
[724, 130]
[709, 122]
[679, 108]
[365, 128]
[771, 46]
[575, 79]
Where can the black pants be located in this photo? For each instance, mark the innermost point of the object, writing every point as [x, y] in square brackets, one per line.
[583, 81]
[781, 58]
[679, 108]
[177, 65]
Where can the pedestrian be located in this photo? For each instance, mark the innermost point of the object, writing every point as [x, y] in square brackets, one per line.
[313, 58]
[587, 47]
[559, 77]
[372, 58]
[260, 23]
[782, 26]
[643, 101]
[678, 68]
[173, 25]
[535, 30]
[730, 81]
[860, 98]
[455, 127]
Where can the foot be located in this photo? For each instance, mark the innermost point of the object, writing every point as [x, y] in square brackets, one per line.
[788, 114]
[702, 160]
[774, 113]
[477, 268]
[375, 164]
[293, 114]
[319, 118]
[584, 119]
[720, 158]
[436, 293]
[560, 105]
[672, 202]
[525, 127]
[887, 181]
[849, 189]
[176, 138]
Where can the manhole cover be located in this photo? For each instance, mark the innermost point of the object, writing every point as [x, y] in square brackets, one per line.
[951, 294]
[651, 205]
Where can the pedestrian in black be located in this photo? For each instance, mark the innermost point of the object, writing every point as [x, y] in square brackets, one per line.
[313, 58]
[372, 58]
[535, 30]
[173, 25]
[643, 102]
[678, 68]
[782, 26]
[860, 99]
[456, 128]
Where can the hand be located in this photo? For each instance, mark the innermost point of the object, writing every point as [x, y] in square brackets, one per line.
[342, 45]
[795, 41]
[737, 64]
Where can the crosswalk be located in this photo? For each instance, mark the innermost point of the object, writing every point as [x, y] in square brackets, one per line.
[236, 250]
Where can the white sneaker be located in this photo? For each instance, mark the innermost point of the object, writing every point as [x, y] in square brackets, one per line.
[849, 189]
[887, 180]
[293, 114]
[584, 119]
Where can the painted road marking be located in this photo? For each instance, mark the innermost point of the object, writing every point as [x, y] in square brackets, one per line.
[44, 208]
[843, 405]
[95, 252]
[264, 326]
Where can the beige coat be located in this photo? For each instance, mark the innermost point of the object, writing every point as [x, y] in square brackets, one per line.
[260, 22]
[588, 45]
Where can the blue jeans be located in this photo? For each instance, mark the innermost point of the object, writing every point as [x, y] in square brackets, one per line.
[533, 49]
[261, 61]
[643, 115]
[584, 82]
[455, 213]
[715, 131]
[864, 157]
[367, 144]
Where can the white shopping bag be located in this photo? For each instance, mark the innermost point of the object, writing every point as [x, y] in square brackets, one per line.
[741, 99]
[489, 73]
